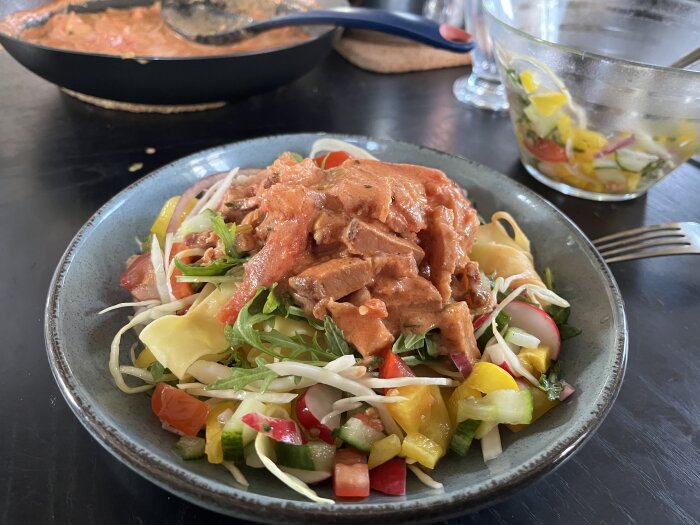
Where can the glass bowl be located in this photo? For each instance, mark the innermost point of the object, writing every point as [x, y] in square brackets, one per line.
[596, 113]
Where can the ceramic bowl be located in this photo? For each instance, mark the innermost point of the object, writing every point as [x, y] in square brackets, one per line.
[87, 280]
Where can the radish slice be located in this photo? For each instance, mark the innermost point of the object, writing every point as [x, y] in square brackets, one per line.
[313, 405]
[537, 322]
[497, 356]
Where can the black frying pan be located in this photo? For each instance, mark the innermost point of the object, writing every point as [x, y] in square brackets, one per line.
[173, 80]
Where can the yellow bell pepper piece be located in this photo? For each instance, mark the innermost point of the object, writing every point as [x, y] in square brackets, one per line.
[422, 449]
[213, 430]
[566, 129]
[540, 406]
[463, 391]
[589, 141]
[487, 377]
[535, 360]
[633, 179]
[415, 411]
[160, 225]
[438, 426]
[383, 450]
[145, 359]
[548, 103]
[528, 79]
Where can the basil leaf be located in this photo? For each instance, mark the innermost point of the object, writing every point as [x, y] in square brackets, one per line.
[566, 331]
[423, 344]
[549, 278]
[157, 370]
[550, 383]
[335, 337]
[502, 320]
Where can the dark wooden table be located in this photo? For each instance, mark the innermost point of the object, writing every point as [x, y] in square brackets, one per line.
[61, 159]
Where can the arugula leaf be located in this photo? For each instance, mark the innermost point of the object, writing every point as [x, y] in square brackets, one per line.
[224, 232]
[236, 359]
[502, 320]
[157, 370]
[550, 383]
[335, 338]
[549, 278]
[271, 303]
[295, 311]
[216, 267]
[244, 332]
[242, 377]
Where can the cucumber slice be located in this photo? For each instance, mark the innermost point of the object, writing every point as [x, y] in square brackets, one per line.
[309, 477]
[500, 406]
[251, 456]
[236, 435]
[463, 436]
[355, 433]
[484, 428]
[294, 456]
[541, 125]
[190, 447]
[605, 164]
[631, 160]
[315, 456]
[611, 176]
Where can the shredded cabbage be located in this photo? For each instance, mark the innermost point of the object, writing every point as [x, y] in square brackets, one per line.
[329, 145]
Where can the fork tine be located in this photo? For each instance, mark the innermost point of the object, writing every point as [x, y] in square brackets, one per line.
[672, 226]
[644, 245]
[648, 235]
[653, 253]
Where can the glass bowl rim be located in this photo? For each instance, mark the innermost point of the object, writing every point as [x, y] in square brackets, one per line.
[687, 73]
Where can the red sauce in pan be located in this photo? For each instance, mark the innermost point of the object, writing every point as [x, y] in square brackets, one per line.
[132, 32]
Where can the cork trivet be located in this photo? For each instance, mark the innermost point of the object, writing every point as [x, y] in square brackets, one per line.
[142, 108]
[390, 54]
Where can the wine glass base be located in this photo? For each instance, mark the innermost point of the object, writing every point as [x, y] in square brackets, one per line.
[480, 92]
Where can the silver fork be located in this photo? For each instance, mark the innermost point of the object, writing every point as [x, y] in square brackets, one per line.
[676, 238]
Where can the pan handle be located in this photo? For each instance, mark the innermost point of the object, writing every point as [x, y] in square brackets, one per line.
[405, 25]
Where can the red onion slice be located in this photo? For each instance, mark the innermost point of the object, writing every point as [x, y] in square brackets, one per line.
[614, 147]
[566, 390]
[462, 362]
[190, 194]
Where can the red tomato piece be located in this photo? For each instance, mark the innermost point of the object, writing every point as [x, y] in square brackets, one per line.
[547, 150]
[139, 278]
[180, 290]
[351, 475]
[389, 477]
[178, 409]
[282, 430]
[332, 159]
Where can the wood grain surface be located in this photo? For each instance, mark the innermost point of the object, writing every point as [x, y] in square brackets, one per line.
[60, 159]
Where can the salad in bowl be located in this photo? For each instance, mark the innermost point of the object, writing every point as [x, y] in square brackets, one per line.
[338, 319]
